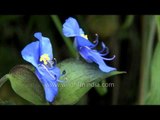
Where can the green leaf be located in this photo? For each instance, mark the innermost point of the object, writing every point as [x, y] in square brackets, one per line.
[154, 94]
[28, 66]
[148, 35]
[3, 80]
[102, 90]
[25, 83]
[158, 25]
[80, 77]
[9, 97]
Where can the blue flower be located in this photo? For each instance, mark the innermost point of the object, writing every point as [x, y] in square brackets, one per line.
[39, 54]
[85, 47]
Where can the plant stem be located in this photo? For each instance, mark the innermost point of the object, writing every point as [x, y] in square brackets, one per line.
[3, 80]
[147, 48]
[128, 22]
[67, 41]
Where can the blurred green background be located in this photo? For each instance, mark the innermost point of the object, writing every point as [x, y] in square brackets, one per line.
[132, 38]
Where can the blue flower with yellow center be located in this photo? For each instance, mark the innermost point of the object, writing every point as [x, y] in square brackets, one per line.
[39, 54]
[85, 47]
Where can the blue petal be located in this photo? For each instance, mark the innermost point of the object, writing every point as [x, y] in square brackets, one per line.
[31, 53]
[93, 55]
[84, 52]
[81, 31]
[45, 45]
[71, 28]
[49, 83]
[56, 71]
[51, 89]
[81, 41]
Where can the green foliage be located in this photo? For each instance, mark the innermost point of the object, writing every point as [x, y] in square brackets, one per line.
[128, 22]
[153, 97]
[104, 25]
[79, 79]
[9, 97]
[25, 84]
[102, 90]
[154, 94]
[147, 48]
[158, 25]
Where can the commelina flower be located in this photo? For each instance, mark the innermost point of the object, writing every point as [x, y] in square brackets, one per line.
[85, 47]
[39, 54]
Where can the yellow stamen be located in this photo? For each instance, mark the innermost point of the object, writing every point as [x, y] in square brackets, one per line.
[85, 36]
[44, 58]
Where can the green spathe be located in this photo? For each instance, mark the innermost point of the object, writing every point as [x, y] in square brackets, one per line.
[79, 79]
